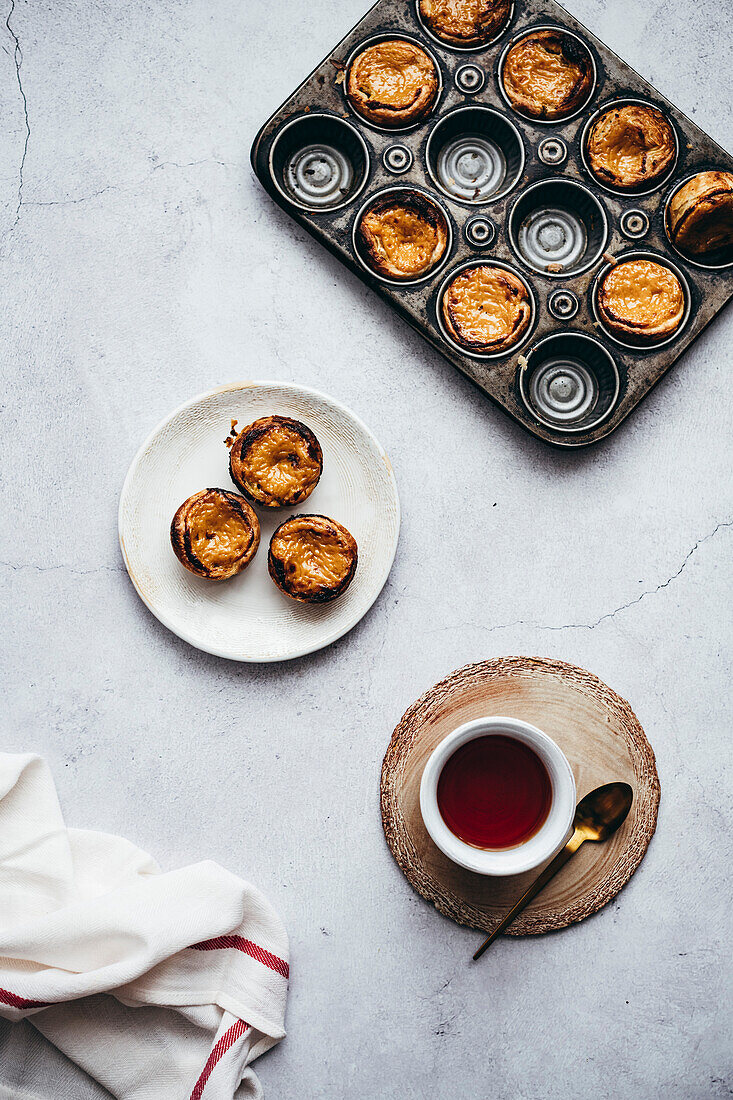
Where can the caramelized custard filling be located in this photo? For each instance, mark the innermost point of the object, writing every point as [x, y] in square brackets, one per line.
[486, 306]
[643, 294]
[280, 463]
[540, 76]
[218, 533]
[631, 145]
[314, 556]
[403, 239]
[465, 20]
[392, 75]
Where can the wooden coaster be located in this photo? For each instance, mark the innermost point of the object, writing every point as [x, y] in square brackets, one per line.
[601, 737]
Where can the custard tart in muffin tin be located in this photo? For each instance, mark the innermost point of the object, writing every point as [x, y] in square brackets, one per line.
[392, 83]
[547, 74]
[507, 148]
[699, 218]
[641, 301]
[465, 24]
[630, 147]
[486, 308]
[402, 235]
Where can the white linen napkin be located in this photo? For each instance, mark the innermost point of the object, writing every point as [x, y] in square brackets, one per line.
[161, 986]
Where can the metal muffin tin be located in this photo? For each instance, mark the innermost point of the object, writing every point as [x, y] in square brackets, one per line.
[480, 232]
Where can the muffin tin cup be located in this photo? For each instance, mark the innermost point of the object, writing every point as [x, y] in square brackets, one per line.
[336, 147]
[560, 121]
[475, 139]
[689, 258]
[463, 49]
[540, 151]
[484, 261]
[569, 382]
[396, 36]
[397, 190]
[562, 219]
[629, 192]
[640, 345]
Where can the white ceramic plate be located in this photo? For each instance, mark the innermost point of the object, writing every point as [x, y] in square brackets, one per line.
[247, 618]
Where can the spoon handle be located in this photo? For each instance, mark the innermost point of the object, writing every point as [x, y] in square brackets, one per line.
[539, 883]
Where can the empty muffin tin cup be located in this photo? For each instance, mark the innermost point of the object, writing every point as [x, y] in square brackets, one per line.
[641, 345]
[582, 49]
[713, 261]
[487, 261]
[475, 155]
[403, 191]
[569, 382]
[462, 49]
[558, 228]
[628, 192]
[319, 162]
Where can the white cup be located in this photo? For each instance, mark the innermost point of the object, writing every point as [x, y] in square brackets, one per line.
[546, 841]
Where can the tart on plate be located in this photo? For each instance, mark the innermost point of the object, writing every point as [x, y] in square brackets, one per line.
[640, 301]
[700, 214]
[547, 74]
[402, 235]
[393, 83]
[276, 462]
[486, 309]
[631, 146]
[312, 558]
[465, 23]
[215, 534]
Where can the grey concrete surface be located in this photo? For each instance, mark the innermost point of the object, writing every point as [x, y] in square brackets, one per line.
[141, 264]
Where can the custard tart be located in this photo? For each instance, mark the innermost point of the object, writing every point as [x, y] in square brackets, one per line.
[465, 23]
[547, 74]
[640, 301]
[700, 214]
[402, 235]
[276, 462]
[486, 309]
[215, 534]
[392, 83]
[312, 558]
[630, 147]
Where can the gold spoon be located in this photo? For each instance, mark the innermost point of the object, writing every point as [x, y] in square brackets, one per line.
[596, 816]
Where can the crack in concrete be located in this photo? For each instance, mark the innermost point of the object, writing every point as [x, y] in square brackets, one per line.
[608, 614]
[19, 567]
[134, 183]
[18, 60]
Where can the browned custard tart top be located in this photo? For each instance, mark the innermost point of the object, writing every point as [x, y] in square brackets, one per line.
[641, 299]
[466, 23]
[312, 558]
[392, 83]
[276, 461]
[547, 74]
[486, 308]
[215, 534]
[630, 146]
[700, 214]
[403, 235]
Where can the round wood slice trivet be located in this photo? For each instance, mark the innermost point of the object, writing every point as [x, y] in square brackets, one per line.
[601, 737]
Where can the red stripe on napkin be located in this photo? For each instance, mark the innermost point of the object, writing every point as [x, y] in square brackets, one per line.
[12, 999]
[249, 948]
[236, 1031]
